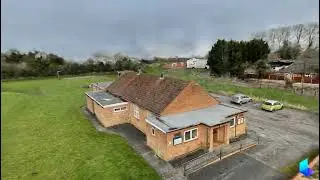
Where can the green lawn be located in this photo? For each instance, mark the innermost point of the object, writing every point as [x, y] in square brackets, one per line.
[227, 87]
[44, 135]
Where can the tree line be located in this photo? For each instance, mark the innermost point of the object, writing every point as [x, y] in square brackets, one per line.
[16, 64]
[233, 57]
[289, 41]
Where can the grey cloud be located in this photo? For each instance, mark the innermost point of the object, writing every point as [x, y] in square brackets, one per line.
[77, 28]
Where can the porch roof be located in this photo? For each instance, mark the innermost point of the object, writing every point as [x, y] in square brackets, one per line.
[104, 98]
[209, 116]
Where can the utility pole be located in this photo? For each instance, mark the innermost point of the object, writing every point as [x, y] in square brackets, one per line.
[302, 77]
[58, 74]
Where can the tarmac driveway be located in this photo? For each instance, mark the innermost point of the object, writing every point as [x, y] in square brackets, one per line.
[237, 167]
[134, 137]
[285, 135]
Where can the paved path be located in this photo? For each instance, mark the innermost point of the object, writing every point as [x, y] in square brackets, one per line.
[203, 160]
[237, 167]
[137, 140]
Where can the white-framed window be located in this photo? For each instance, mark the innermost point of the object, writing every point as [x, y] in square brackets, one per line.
[190, 135]
[232, 122]
[153, 131]
[136, 112]
[177, 139]
[241, 120]
[174, 64]
[118, 109]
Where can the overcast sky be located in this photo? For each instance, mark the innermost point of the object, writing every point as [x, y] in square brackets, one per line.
[78, 28]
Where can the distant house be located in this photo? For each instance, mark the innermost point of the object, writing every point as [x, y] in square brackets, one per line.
[177, 117]
[307, 67]
[172, 63]
[196, 63]
[278, 64]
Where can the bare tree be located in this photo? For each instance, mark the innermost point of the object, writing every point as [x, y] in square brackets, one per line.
[297, 30]
[271, 34]
[260, 35]
[282, 34]
[286, 33]
[311, 31]
[271, 37]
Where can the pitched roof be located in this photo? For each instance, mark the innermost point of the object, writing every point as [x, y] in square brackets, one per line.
[303, 65]
[147, 91]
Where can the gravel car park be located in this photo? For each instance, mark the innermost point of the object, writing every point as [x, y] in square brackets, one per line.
[285, 136]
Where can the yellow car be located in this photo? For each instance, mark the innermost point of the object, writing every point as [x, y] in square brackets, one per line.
[271, 105]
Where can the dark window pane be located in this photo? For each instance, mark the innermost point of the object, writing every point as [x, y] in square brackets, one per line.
[232, 122]
[194, 133]
[187, 135]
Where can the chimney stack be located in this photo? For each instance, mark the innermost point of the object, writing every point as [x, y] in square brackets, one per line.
[119, 74]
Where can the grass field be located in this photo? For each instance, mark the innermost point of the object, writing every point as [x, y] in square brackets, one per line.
[227, 87]
[44, 135]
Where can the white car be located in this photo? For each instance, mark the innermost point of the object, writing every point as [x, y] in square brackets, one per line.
[240, 99]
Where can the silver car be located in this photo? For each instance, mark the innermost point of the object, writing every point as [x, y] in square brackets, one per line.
[240, 99]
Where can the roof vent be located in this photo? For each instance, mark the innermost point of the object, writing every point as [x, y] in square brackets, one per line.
[139, 72]
[162, 76]
[107, 99]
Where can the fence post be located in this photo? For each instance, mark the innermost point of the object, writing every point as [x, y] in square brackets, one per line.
[184, 170]
[220, 153]
[240, 147]
[258, 139]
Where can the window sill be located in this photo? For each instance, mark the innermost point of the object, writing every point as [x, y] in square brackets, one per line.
[185, 141]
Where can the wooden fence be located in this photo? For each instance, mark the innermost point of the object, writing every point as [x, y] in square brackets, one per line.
[295, 79]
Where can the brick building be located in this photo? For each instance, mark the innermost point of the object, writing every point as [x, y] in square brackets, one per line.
[177, 117]
[174, 65]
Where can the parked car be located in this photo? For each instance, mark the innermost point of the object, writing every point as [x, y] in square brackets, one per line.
[240, 99]
[271, 105]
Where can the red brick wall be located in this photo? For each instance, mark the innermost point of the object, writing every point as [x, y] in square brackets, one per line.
[138, 123]
[179, 150]
[89, 104]
[108, 117]
[191, 98]
[157, 142]
[171, 65]
[238, 129]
